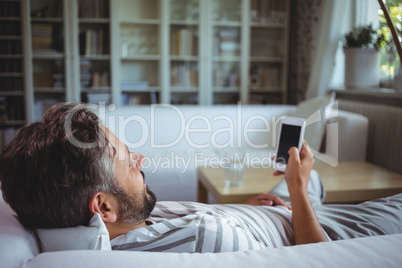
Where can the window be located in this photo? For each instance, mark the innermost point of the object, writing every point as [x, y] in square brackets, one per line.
[388, 55]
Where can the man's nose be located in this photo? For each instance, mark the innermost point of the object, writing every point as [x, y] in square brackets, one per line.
[138, 160]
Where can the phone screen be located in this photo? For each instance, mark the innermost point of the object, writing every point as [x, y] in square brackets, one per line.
[289, 137]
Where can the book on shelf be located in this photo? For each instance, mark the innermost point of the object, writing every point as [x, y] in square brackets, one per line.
[10, 47]
[226, 76]
[10, 9]
[263, 76]
[184, 43]
[184, 75]
[140, 98]
[43, 79]
[100, 79]
[93, 8]
[10, 28]
[266, 43]
[85, 72]
[3, 111]
[15, 108]
[131, 99]
[153, 97]
[93, 42]
[267, 98]
[11, 66]
[11, 84]
[41, 36]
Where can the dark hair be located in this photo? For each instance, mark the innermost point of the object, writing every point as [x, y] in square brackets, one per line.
[48, 180]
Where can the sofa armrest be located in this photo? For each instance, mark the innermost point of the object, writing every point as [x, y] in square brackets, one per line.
[380, 251]
[346, 136]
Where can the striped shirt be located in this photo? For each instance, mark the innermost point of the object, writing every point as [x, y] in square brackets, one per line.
[196, 227]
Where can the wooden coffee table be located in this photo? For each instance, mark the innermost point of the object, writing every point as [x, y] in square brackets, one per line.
[349, 182]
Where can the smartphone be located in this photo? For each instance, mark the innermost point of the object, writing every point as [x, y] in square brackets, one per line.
[291, 134]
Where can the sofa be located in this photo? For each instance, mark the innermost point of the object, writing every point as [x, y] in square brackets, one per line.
[177, 139]
[214, 131]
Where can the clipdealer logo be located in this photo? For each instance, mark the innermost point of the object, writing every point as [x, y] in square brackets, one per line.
[202, 135]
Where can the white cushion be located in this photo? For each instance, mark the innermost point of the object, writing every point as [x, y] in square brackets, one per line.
[17, 245]
[92, 237]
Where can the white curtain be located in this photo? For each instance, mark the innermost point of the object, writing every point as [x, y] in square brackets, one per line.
[335, 17]
[338, 17]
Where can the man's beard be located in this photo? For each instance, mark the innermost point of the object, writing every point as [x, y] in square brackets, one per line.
[135, 208]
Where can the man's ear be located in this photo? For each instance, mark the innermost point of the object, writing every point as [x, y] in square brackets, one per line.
[105, 205]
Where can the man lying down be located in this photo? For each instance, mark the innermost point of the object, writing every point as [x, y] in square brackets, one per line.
[68, 174]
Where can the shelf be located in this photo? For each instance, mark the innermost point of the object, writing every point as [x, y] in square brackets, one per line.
[148, 90]
[10, 37]
[141, 57]
[183, 22]
[49, 20]
[184, 89]
[268, 25]
[11, 74]
[10, 19]
[226, 58]
[11, 93]
[15, 56]
[226, 89]
[57, 90]
[96, 57]
[93, 20]
[47, 56]
[141, 21]
[266, 90]
[227, 23]
[184, 58]
[12, 123]
[267, 59]
[96, 90]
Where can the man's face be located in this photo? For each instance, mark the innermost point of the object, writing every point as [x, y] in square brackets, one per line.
[136, 201]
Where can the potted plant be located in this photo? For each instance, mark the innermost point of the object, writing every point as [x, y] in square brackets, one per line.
[361, 46]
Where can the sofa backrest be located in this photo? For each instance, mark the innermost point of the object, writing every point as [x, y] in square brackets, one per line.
[196, 128]
[384, 132]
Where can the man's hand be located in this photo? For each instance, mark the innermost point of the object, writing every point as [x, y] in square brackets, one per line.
[266, 200]
[299, 167]
[306, 227]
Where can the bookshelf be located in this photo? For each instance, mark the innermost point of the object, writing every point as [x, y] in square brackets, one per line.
[68, 55]
[200, 52]
[137, 34]
[184, 52]
[12, 78]
[46, 55]
[94, 50]
[133, 52]
[12, 81]
[268, 51]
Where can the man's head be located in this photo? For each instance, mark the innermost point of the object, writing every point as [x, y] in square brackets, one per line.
[52, 182]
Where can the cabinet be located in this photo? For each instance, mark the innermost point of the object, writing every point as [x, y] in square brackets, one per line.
[12, 78]
[200, 51]
[68, 55]
[131, 52]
